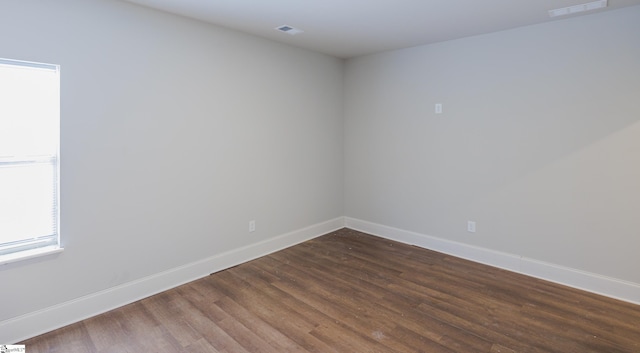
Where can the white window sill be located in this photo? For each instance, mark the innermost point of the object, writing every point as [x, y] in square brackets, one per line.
[29, 254]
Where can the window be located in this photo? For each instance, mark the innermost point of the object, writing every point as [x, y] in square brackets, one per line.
[29, 158]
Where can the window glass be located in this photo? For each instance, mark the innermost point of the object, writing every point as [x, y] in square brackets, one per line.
[29, 158]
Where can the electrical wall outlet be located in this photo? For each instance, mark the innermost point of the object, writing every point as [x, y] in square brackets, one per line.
[438, 108]
[471, 226]
[252, 226]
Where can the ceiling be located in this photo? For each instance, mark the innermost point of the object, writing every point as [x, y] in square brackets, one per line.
[349, 28]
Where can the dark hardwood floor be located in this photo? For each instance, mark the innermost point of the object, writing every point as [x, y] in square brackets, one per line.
[352, 292]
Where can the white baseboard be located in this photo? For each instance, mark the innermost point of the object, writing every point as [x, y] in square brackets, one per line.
[32, 324]
[591, 282]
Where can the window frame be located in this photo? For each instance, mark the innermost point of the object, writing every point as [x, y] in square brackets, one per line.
[24, 249]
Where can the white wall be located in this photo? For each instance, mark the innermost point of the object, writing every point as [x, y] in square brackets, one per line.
[174, 135]
[539, 142]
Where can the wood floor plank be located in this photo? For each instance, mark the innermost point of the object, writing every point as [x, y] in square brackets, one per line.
[352, 292]
[326, 319]
[170, 316]
[390, 318]
[347, 312]
[72, 339]
[283, 318]
[201, 346]
[261, 328]
[106, 330]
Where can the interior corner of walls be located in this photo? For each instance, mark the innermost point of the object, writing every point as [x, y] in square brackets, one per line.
[35, 323]
[587, 281]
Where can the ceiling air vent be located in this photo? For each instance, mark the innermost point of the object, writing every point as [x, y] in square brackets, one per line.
[578, 8]
[289, 30]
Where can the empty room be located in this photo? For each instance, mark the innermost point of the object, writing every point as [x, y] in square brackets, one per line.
[320, 176]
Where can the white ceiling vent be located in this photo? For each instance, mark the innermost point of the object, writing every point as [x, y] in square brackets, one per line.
[289, 30]
[578, 8]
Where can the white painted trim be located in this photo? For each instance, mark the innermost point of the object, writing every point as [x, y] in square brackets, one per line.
[32, 324]
[591, 282]
[29, 254]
